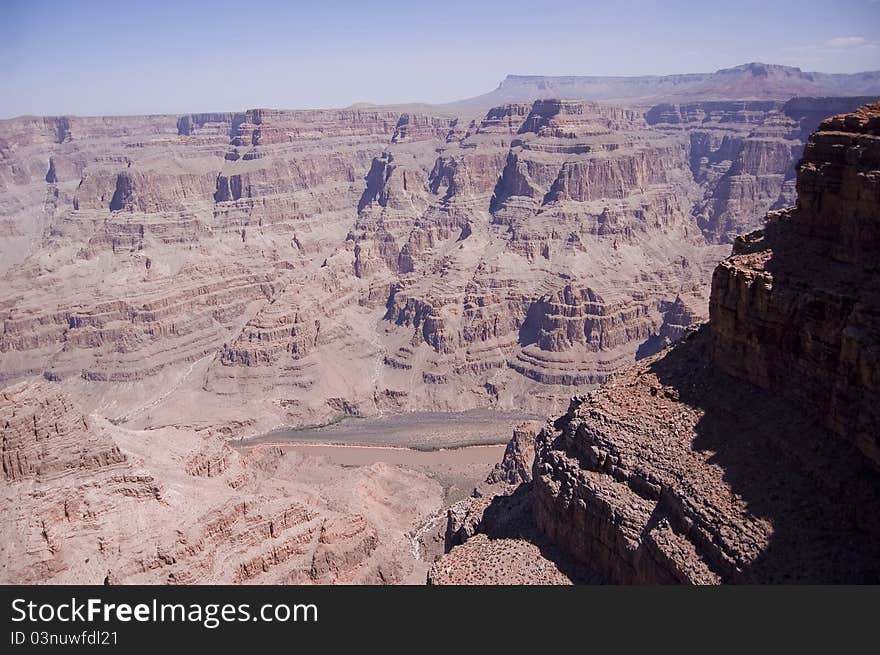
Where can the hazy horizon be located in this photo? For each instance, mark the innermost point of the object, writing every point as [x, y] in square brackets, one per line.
[97, 58]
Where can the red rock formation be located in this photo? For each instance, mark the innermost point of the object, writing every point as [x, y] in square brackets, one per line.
[272, 263]
[45, 437]
[86, 502]
[795, 309]
[746, 453]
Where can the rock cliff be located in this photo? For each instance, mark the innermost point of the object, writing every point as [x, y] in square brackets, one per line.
[266, 267]
[86, 502]
[795, 309]
[171, 277]
[746, 453]
[677, 472]
[743, 154]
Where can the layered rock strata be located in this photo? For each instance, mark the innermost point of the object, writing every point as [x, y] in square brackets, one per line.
[744, 154]
[512, 277]
[86, 502]
[796, 308]
[747, 452]
[241, 271]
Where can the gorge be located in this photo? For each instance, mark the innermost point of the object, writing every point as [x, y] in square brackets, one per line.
[746, 453]
[175, 285]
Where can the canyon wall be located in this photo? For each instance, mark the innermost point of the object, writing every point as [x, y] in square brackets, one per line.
[86, 502]
[794, 310]
[744, 154]
[748, 452]
[259, 268]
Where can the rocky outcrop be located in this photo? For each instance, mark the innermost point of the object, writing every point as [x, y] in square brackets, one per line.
[748, 452]
[581, 316]
[86, 502]
[795, 309]
[45, 437]
[557, 187]
[491, 537]
[168, 237]
[516, 466]
[486, 561]
[223, 274]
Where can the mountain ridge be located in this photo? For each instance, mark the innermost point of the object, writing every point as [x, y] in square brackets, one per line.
[750, 81]
[515, 88]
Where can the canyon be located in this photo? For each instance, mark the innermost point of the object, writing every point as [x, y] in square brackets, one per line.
[247, 271]
[176, 285]
[86, 502]
[745, 453]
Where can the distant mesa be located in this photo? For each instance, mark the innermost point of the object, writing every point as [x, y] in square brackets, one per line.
[752, 81]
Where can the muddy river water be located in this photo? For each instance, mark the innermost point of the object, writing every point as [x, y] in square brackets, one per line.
[414, 430]
[457, 448]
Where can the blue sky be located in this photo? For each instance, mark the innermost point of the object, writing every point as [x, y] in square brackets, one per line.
[160, 56]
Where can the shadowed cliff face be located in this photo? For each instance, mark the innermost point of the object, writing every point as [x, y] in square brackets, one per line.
[678, 473]
[744, 154]
[796, 308]
[86, 502]
[747, 452]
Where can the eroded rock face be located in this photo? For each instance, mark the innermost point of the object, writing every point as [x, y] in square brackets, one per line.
[516, 466]
[491, 537]
[748, 452]
[795, 310]
[743, 154]
[86, 502]
[156, 239]
[45, 437]
[221, 274]
[677, 473]
[281, 264]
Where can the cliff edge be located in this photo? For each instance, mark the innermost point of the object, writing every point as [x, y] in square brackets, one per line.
[748, 452]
